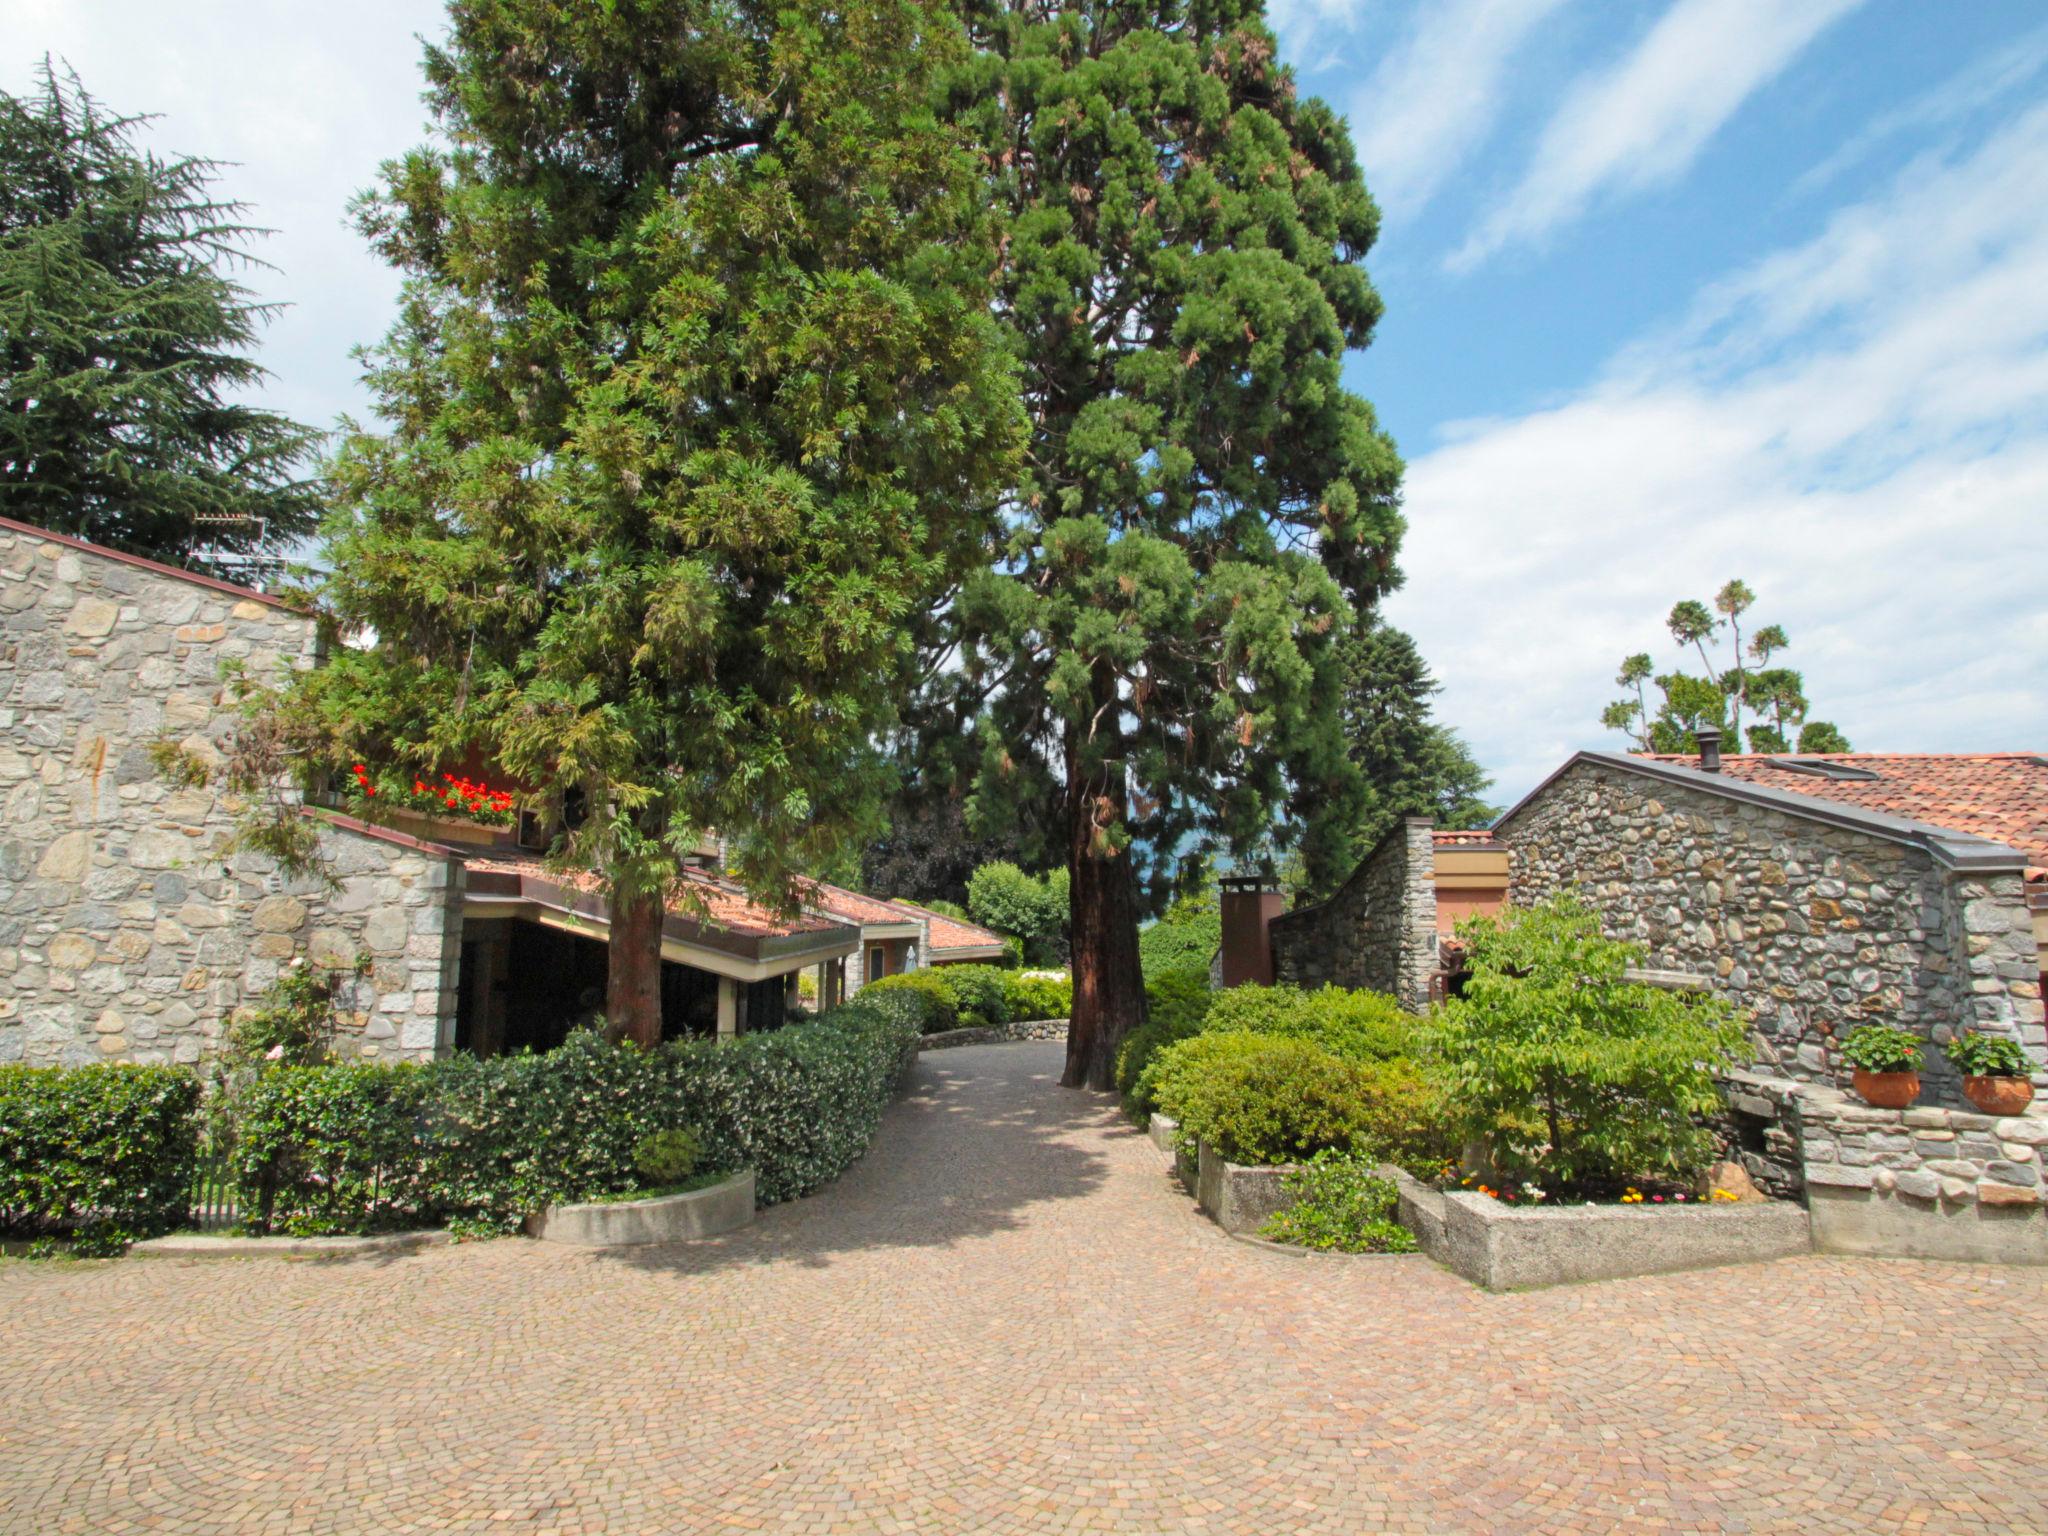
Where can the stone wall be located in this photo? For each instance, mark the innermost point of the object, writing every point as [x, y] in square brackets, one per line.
[124, 934]
[1810, 926]
[1377, 931]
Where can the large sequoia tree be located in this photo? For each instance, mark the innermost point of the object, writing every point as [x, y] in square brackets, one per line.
[1204, 510]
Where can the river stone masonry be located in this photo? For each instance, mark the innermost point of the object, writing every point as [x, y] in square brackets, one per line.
[1377, 931]
[1811, 923]
[125, 935]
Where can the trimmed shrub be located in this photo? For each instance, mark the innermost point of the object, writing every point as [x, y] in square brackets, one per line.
[357, 1149]
[1180, 1000]
[1184, 939]
[1030, 996]
[923, 998]
[1256, 1099]
[980, 993]
[1341, 1205]
[1578, 1079]
[1032, 907]
[102, 1154]
[1359, 1026]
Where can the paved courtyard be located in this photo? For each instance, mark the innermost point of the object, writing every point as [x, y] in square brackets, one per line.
[1008, 1320]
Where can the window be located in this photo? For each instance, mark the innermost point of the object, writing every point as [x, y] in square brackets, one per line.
[878, 962]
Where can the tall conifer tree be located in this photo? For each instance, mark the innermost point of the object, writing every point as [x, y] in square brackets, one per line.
[694, 404]
[1204, 507]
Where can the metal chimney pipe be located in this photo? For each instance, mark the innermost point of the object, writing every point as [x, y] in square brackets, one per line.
[1709, 738]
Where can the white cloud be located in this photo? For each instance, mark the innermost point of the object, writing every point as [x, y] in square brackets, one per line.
[1872, 457]
[1644, 120]
[1433, 100]
[305, 100]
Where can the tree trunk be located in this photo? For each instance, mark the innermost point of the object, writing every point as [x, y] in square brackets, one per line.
[1109, 986]
[632, 1004]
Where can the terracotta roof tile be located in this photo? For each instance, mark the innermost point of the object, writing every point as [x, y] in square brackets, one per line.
[1999, 795]
[855, 907]
[720, 902]
[950, 933]
[1448, 837]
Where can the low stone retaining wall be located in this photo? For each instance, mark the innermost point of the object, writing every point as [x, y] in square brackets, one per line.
[1239, 1198]
[1924, 1183]
[721, 1207]
[212, 1245]
[1505, 1247]
[1028, 1029]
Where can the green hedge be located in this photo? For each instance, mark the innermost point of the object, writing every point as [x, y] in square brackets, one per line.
[919, 996]
[100, 1154]
[1359, 1026]
[972, 996]
[1037, 997]
[356, 1149]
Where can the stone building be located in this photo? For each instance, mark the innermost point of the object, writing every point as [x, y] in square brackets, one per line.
[127, 933]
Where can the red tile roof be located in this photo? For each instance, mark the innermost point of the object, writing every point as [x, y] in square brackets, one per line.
[1446, 837]
[704, 898]
[854, 907]
[950, 933]
[1999, 795]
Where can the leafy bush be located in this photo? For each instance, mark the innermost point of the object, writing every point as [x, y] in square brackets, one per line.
[1340, 1206]
[1032, 996]
[358, 1148]
[1359, 1026]
[1175, 1005]
[666, 1157]
[1576, 1077]
[1032, 907]
[1257, 1099]
[1980, 1055]
[101, 1154]
[927, 1001]
[980, 993]
[1182, 940]
[1882, 1048]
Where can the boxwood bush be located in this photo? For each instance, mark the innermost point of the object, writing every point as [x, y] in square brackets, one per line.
[1033, 996]
[1256, 1099]
[926, 1001]
[100, 1155]
[1359, 1026]
[980, 993]
[359, 1148]
[1176, 1004]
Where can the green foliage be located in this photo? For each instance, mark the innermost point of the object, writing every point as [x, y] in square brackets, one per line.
[1176, 1002]
[359, 1148]
[1883, 1048]
[1408, 763]
[926, 854]
[1028, 996]
[666, 1157]
[925, 998]
[1341, 1205]
[1033, 908]
[124, 366]
[1357, 1025]
[100, 1155]
[1183, 939]
[981, 993]
[1975, 1054]
[1576, 1077]
[293, 1021]
[695, 410]
[1260, 1099]
[1774, 696]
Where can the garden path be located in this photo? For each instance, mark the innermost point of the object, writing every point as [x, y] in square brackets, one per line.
[1008, 1320]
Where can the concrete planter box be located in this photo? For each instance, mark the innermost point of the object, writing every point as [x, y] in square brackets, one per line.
[1505, 1247]
[207, 1245]
[1239, 1198]
[1161, 1129]
[721, 1207]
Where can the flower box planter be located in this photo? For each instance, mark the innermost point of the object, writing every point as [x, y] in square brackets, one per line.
[1239, 1198]
[707, 1212]
[1507, 1247]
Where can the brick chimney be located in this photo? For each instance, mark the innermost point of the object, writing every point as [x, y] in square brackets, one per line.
[1247, 904]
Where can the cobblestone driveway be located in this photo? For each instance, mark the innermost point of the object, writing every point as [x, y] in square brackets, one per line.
[1007, 1320]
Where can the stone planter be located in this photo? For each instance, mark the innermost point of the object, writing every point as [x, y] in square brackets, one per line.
[1886, 1090]
[1999, 1095]
[1237, 1197]
[721, 1207]
[1160, 1129]
[1506, 1247]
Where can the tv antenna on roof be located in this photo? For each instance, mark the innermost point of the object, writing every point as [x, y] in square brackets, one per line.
[249, 567]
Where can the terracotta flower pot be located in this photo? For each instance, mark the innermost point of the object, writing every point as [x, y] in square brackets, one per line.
[1999, 1095]
[1887, 1090]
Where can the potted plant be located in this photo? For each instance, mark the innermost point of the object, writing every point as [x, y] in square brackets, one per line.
[1887, 1065]
[1994, 1072]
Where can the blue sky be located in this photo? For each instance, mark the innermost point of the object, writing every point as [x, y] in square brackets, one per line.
[1676, 291]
